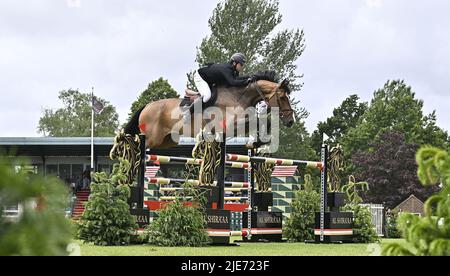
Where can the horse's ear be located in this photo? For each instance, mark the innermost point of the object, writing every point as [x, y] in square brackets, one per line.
[284, 83]
[285, 86]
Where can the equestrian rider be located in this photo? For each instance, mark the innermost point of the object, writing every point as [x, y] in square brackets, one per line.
[223, 74]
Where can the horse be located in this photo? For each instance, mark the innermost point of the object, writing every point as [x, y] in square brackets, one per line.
[160, 120]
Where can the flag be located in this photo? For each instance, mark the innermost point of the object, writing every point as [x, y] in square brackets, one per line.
[150, 172]
[284, 171]
[97, 106]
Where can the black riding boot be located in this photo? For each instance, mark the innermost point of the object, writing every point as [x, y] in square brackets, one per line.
[195, 103]
[189, 110]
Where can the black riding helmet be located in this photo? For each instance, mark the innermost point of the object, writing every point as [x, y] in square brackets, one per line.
[239, 58]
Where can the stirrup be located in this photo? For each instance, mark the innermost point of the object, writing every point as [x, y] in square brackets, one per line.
[197, 101]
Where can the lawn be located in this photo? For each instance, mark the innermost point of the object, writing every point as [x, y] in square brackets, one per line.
[245, 249]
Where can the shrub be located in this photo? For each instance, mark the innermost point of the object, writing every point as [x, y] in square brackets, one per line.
[430, 235]
[363, 229]
[107, 219]
[300, 226]
[178, 225]
[392, 231]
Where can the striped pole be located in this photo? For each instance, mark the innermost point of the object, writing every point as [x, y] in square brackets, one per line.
[244, 233]
[234, 190]
[251, 193]
[323, 192]
[220, 173]
[274, 161]
[170, 181]
[169, 159]
[237, 161]
[190, 161]
[141, 174]
[173, 198]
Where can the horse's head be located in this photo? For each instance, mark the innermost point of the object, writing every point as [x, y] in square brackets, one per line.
[277, 95]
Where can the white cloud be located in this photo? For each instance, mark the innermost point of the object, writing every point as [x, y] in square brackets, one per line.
[119, 46]
[374, 3]
[74, 3]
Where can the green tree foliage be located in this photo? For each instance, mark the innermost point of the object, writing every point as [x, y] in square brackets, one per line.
[363, 229]
[390, 169]
[395, 107]
[157, 90]
[248, 26]
[345, 117]
[74, 119]
[107, 219]
[392, 231]
[295, 142]
[179, 225]
[430, 235]
[41, 231]
[252, 27]
[300, 226]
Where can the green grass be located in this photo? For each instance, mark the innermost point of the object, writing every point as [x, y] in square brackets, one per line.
[245, 249]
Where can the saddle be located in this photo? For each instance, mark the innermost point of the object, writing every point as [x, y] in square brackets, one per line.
[191, 96]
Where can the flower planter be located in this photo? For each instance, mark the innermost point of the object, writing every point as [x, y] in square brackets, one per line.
[335, 200]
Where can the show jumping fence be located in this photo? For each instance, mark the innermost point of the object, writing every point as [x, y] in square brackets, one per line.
[233, 161]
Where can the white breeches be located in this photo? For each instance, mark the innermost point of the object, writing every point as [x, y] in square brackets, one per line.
[202, 86]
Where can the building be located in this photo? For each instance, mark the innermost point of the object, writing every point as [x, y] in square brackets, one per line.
[411, 205]
[69, 157]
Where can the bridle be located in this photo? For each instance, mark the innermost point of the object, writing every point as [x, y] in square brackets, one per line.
[283, 112]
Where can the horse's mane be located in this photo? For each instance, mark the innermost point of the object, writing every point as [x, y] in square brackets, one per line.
[271, 76]
[267, 76]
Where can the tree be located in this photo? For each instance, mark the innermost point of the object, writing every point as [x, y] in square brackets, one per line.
[433, 135]
[295, 142]
[247, 26]
[390, 170]
[157, 90]
[345, 117]
[74, 119]
[395, 107]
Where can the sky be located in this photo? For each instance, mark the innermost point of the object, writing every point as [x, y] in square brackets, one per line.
[119, 47]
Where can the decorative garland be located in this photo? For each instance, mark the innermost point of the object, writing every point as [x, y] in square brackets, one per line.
[127, 147]
[263, 176]
[210, 153]
[335, 166]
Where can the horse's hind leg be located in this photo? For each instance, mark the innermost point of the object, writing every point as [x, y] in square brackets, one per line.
[154, 138]
[169, 142]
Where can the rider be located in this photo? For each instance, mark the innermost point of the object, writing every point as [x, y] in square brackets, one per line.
[223, 74]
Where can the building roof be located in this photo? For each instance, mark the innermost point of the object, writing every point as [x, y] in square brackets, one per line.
[411, 205]
[81, 146]
[411, 197]
[51, 141]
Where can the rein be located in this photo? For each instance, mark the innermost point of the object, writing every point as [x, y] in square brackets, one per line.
[267, 101]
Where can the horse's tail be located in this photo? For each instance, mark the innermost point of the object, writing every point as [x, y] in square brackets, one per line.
[132, 127]
[127, 146]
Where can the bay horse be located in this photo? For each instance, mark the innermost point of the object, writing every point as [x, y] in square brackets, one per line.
[159, 120]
